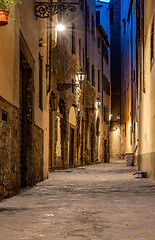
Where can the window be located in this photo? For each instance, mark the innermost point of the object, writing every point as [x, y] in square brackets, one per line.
[98, 17]
[105, 51]
[125, 129]
[4, 116]
[99, 81]
[111, 13]
[99, 42]
[82, 5]
[88, 70]
[83, 59]
[40, 82]
[134, 132]
[92, 25]
[108, 88]
[124, 25]
[73, 38]
[104, 82]
[79, 52]
[93, 75]
[106, 114]
[130, 135]
[88, 16]
[152, 43]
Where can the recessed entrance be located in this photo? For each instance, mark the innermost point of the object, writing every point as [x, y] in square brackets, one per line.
[26, 120]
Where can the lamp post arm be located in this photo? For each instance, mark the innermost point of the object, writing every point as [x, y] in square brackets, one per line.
[47, 9]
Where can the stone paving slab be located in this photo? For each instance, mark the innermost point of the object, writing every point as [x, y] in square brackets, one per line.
[97, 202]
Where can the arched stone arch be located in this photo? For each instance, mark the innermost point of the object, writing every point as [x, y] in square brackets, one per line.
[72, 133]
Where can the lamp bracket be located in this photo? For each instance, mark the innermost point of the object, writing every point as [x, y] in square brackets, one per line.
[47, 9]
[65, 86]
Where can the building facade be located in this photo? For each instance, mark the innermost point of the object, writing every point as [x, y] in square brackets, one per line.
[137, 61]
[146, 73]
[23, 102]
[50, 117]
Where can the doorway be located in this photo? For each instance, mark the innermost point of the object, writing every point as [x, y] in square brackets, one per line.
[92, 139]
[71, 147]
[105, 150]
[26, 120]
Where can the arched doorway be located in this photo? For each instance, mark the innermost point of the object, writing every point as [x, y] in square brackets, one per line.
[82, 142]
[98, 136]
[72, 128]
[61, 135]
[92, 142]
[52, 135]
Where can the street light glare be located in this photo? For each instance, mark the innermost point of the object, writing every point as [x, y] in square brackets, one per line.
[60, 27]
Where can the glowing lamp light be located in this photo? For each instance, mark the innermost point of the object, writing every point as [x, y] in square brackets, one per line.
[110, 116]
[60, 27]
[80, 76]
[118, 117]
[98, 102]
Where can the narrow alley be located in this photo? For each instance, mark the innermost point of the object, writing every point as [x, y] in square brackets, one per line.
[102, 201]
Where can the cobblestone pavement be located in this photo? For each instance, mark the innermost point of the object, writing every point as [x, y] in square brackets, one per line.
[103, 201]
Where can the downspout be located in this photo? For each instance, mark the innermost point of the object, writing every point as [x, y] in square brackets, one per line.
[102, 77]
[86, 63]
[50, 52]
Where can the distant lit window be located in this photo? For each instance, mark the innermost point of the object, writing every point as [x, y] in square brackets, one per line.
[152, 43]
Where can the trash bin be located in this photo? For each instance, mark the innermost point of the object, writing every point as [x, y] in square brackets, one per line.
[129, 159]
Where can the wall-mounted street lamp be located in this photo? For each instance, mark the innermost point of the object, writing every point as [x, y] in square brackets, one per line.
[80, 76]
[90, 109]
[64, 86]
[98, 102]
[79, 113]
[118, 117]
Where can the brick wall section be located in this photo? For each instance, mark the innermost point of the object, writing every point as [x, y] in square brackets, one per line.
[9, 150]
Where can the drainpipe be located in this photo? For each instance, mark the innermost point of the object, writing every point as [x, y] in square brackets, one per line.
[50, 52]
[86, 62]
